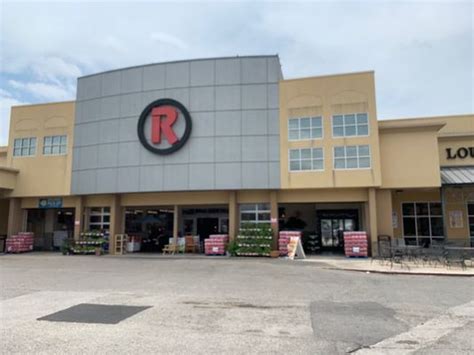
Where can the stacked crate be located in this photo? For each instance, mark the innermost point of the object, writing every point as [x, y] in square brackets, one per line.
[355, 244]
[20, 243]
[283, 240]
[216, 244]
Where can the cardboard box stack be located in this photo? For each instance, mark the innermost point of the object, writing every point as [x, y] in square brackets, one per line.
[216, 244]
[284, 239]
[20, 243]
[355, 244]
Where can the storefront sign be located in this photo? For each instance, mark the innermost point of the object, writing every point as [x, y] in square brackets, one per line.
[164, 126]
[394, 219]
[455, 219]
[56, 202]
[460, 153]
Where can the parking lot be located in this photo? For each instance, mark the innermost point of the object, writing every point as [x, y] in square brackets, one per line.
[221, 305]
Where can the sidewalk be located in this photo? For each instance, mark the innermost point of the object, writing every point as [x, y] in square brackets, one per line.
[377, 266]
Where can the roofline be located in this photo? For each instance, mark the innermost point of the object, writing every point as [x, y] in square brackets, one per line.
[380, 120]
[45, 103]
[412, 127]
[330, 75]
[181, 61]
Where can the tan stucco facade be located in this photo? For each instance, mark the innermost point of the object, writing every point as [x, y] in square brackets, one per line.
[406, 156]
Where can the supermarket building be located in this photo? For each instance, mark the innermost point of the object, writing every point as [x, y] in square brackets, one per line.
[201, 146]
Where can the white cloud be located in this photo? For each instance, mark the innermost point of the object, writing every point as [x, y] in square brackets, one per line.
[422, 52]
[50, 92]
[168, 39]
[6, 102]
[55, 69]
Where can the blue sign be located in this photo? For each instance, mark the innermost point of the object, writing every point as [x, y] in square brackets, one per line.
[56, 202]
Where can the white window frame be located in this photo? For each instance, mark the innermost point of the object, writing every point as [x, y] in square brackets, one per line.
[311, 127]
[344, 124]
[256, 210]
[28, 146]
[415, 217]
[358, 157]
[52, 145]
[102, 213]
[312, 159]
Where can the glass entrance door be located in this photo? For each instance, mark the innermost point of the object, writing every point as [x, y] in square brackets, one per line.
[332, 231]
[333, 224]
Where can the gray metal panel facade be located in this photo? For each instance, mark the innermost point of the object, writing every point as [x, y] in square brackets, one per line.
[234, 142]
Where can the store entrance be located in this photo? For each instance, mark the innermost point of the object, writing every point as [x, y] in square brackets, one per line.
[332, 225]
[50, 226]
[151, 228]
[206, 227]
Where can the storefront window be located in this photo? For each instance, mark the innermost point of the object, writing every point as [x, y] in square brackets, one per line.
[470, 213]
[306, 159]
[350, 125]
[255, 213]
[23, 147]
[305, 128]
[352, 157]
[55, 145]
[422, 221]
[99, 218]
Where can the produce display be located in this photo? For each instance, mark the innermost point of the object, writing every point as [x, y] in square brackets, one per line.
[254, 240]
[20, 243]
[88, 243]
[284, 239]
[355, 244]
[216, 244]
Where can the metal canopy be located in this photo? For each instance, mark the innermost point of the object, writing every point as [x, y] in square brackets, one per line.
[457, 175]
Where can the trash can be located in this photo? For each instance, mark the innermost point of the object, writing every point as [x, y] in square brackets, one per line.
[3, 240]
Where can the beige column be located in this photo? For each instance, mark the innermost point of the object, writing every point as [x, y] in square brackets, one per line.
[274, 217]
[175, 224]
[15, 217]
[116, 222]
[78, 217]
[233, 223]
[371, 217]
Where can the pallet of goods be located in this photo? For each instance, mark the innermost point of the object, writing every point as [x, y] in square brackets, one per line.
[356, 244]
[20, 243]
[284, 239]
[216, 244]
[88, 243]
[254, 241]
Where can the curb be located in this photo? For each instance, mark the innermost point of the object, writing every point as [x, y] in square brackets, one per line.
[392, 272]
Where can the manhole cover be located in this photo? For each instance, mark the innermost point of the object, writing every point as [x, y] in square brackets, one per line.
[94, 313]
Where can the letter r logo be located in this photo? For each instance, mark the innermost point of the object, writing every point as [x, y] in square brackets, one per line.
[162, 118]
[164, 126]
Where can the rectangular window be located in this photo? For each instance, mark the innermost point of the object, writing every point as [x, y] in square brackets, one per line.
[305, 128]
[306, 159]
[255, 213]
[24, 147]
[422, 221]
[55, 145]
[352, 157]
[470, 217]
[350, 125]
[99, 218]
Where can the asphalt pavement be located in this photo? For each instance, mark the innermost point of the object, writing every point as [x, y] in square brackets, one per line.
[226, 305]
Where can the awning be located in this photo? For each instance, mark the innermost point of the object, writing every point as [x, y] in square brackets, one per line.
[457, 175]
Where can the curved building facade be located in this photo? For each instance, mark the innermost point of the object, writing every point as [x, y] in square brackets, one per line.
[201, 146]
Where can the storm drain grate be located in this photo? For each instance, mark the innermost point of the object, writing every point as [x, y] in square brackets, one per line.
[94, 313]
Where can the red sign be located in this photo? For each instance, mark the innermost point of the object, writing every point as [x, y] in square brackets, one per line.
[162, 118]
[163, 134]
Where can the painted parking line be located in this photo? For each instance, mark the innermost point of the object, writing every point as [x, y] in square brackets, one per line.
[425, 334]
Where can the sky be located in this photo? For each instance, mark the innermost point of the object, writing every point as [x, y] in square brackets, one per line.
[422, 52]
